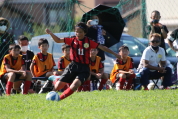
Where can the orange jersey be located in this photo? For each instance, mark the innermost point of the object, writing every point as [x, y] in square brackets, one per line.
[118, 66]
[42, 67]
[63, 63]
[96, 66]
[16, 66]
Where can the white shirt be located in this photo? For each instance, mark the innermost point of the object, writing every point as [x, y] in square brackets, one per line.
[154, 58]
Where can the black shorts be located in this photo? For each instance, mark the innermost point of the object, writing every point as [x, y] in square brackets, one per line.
[75, 71]
[17, 76]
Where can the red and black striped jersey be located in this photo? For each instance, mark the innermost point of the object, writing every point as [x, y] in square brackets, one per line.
[80, 49]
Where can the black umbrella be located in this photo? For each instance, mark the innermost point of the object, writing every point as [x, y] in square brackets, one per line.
[111, 21]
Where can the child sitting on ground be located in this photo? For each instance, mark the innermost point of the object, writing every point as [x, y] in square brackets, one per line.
[123, 70]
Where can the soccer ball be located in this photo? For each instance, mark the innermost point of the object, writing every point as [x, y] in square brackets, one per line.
[53, 96]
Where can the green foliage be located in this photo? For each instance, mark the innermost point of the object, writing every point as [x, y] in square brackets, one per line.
[157, 104]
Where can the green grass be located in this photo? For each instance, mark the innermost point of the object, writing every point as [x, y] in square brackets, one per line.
[111, 104]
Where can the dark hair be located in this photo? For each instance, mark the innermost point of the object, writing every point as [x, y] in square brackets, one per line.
[13, 46]
[65, 46]
[156, 35]
[123, 47]
[83, 26]
[156, 11]
[22, 37]
[42, 41]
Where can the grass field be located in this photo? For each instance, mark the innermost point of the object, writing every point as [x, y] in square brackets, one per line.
[110, 104]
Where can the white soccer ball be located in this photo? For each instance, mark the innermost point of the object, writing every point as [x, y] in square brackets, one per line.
[53, 96]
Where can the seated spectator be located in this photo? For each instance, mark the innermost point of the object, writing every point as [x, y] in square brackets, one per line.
[153, 63]
[13, 69]
[123, 70]
[96, 71]
[27, 56]
[64, 61]
[43, 62]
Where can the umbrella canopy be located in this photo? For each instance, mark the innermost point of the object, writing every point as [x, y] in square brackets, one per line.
[111, 21]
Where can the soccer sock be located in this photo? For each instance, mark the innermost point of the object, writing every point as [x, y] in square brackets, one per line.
[80, 88]
[9, 87]
[87, 85]
[130, 81]
[27, 85]
[103, 82]
[66, 93]
[122, 82]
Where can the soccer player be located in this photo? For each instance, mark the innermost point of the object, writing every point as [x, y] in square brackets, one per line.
[27, 56]
[43, 62]
[123, 69]
[13, 69]
[78, 70]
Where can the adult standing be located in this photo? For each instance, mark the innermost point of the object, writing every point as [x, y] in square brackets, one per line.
[5, 38]
[156, 27]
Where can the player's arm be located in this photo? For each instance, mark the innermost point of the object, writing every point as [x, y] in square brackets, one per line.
[55, 38]
[170, 43]
[8, 69]
[122, 71]
[32, 69]
[104, 48]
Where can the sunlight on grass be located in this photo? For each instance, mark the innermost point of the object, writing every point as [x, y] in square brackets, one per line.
[94, 105]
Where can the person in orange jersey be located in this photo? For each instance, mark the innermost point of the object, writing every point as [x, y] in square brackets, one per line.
[123, 70]
[96, 71]
[63, 62]
[43, 63]
[13, 69]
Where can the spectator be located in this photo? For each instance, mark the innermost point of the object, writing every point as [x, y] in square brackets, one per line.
[123, 70]
[27, 56]
[43, 62]
[96, 71]
[96, 32]
[156, 27]
[13, 69]
[153, 63]
[174, 46]
[5, 38]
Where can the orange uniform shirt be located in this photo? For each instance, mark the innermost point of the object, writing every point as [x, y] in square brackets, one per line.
[96, 65]
[41, 67]
[63, 63]
[121, 66]
[16, 66]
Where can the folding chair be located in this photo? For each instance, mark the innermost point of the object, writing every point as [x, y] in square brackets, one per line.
[2, 86]
[155, 81]
[39, 88]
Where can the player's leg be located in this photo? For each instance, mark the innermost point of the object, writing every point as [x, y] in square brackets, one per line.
[16, 86]
[10, 79]
[28, 80]
[122, 78]
[104, 79]
[130, 78]
[73, 87]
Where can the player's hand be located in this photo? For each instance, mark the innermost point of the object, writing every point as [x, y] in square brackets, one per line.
[160, 25]
[131, 71]
[103, 32]
[162, 70]
[118, 56]
[98, 76]
[48, 31]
